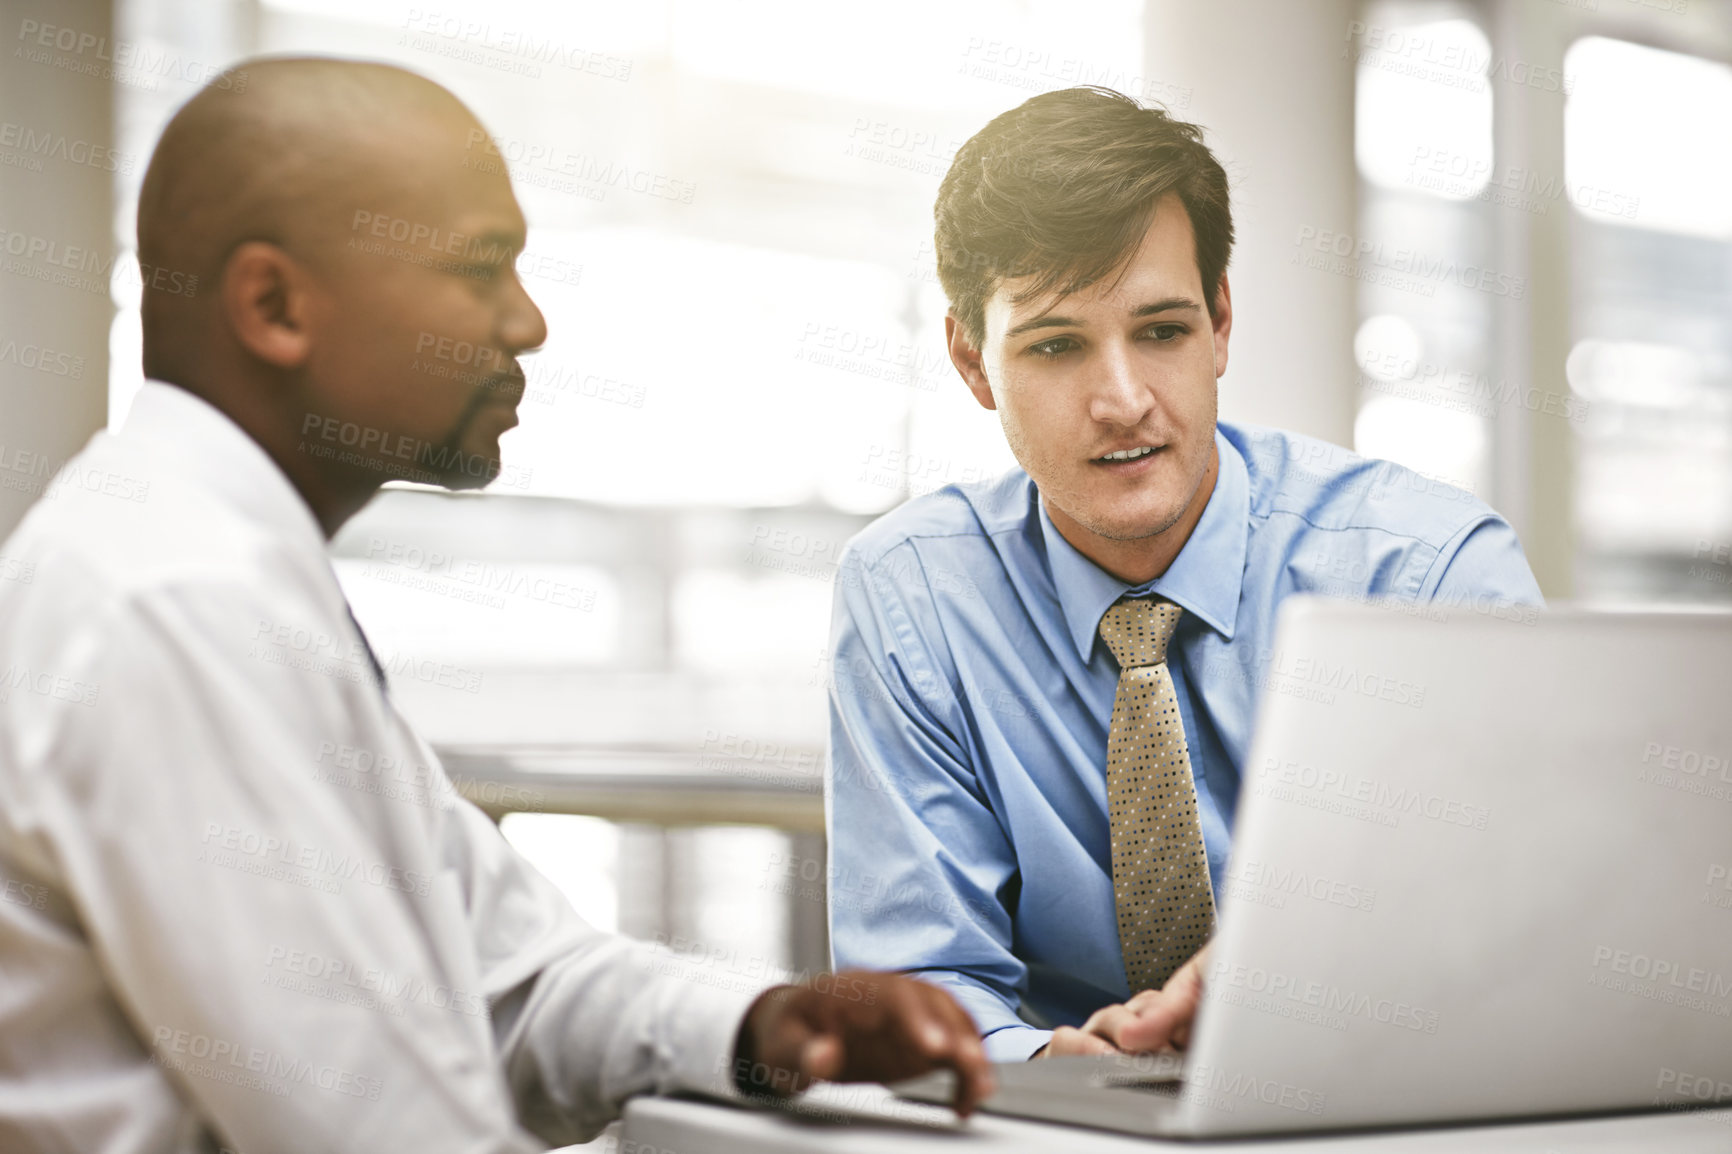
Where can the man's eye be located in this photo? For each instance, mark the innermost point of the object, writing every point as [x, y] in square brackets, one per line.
[1166, 332]
[1052, 348]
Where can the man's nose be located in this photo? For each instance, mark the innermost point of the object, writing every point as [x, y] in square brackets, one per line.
[522, 328]
[1118, 395]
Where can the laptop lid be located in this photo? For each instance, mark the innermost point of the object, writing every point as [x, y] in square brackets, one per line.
[1482, 867]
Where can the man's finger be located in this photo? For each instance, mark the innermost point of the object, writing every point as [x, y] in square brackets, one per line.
[938, 1034]
[773, 1041]
[1142, 999]
[1068, 1042]
[822, 1057]
[949, 1040]
[974, 1081]
[1119, 1026]
[1165, 1019]
[921, 1034]
[1093, 1044]
[1154, 1028]
[897, 1027]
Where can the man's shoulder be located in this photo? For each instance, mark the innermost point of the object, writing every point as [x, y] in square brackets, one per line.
[979, 509]
[1330, 488]
[111, 527]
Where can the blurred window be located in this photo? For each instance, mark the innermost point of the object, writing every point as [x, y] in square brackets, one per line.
[1423, 100]
[1648, 156]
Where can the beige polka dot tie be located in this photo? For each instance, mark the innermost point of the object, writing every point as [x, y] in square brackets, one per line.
[1160, 872]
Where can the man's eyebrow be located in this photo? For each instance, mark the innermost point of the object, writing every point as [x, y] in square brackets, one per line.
[1167, 305]
[1044, 321]
[1049, 321]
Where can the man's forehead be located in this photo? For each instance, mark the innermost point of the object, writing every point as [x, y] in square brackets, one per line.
[487, 208]
[427, 140]
[1162, 267]
[427, 179]
[1135, 289]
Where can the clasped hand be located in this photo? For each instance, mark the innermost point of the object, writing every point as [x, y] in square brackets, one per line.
[1151, 1021]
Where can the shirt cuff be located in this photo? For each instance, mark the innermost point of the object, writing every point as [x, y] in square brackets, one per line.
[1014, 1043]
[699, 1040]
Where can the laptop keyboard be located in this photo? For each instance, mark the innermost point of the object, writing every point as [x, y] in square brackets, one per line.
[1168, 1085]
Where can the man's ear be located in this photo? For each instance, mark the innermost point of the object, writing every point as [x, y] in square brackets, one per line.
[966, 358]
[266, 298]
[1221, 320]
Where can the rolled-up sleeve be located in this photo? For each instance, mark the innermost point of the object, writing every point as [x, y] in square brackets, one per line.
[922, 873]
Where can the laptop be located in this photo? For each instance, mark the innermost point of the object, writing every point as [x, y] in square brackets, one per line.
[1481, 869]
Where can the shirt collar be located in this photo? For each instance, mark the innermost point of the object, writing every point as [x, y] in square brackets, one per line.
[1204, 579]
[202, 443]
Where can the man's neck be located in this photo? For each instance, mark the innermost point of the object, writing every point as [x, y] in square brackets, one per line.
[332, 493]
[1143, 559]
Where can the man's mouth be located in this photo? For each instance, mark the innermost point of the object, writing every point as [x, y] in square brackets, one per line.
[1121, 456]
[505, 388]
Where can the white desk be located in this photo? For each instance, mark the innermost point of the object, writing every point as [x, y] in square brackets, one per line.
[865, 1120]
[658, 786]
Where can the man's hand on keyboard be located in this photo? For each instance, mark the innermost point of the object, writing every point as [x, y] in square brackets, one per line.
[1151, 1021]
[857, 1026]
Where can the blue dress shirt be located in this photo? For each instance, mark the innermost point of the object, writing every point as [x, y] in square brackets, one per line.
[970, 702]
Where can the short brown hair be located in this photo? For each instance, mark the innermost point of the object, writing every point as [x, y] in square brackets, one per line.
[1061, 188]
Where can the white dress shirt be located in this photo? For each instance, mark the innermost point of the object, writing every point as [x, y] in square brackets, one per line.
[240, 904]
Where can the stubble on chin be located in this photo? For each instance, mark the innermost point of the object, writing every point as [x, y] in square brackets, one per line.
[1140, 529]
[466, 467]
[1083, 508]
[1069, 493]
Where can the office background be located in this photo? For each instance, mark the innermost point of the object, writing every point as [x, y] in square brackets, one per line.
[1487, 240]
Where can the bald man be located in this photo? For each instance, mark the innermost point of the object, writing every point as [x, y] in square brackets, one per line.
[215, 932]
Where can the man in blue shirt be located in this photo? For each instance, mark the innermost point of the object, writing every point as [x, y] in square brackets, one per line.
[1083, 242]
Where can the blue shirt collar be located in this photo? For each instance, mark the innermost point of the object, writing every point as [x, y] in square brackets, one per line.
[1205, 578]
